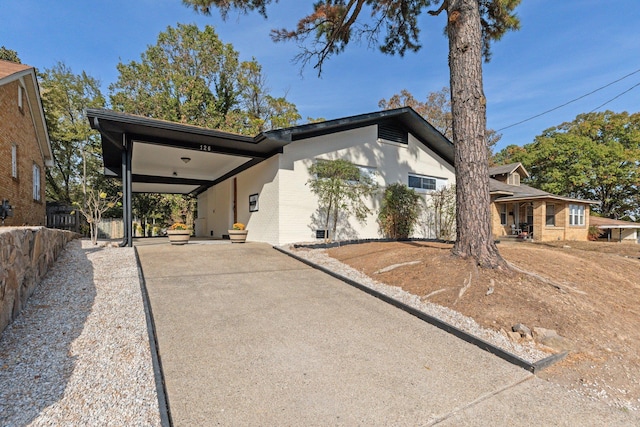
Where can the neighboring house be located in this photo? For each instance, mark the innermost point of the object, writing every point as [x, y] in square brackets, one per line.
[25, 150]
[261, 181]
[617, 230]
[524, 211]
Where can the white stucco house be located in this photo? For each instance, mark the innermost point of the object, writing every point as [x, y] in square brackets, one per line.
[261, 181]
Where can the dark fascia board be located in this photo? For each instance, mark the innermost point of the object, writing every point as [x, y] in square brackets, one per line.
[412, 121]
[149, 179]
[112, 125]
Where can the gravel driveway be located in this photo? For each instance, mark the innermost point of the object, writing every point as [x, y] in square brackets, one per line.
[79, 352]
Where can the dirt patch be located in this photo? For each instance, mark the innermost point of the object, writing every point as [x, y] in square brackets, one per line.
[589, 292]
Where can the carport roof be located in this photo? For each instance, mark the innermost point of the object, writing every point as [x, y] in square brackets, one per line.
[170, 157]
[173, 157]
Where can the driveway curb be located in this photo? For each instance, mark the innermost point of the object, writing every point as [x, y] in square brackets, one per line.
[480, 343]
[163, 398]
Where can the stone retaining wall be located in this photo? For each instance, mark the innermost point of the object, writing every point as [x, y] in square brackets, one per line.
[26, 253]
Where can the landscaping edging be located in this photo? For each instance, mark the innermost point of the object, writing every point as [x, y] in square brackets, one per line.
[532, 367]
[339, 243]
[26, 253]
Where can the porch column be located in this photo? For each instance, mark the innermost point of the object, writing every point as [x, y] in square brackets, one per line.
[126, 193]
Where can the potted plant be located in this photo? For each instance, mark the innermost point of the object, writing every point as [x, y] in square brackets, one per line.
[179, 234]
[238, 234]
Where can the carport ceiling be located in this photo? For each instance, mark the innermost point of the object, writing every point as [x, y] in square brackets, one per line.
[171, 157]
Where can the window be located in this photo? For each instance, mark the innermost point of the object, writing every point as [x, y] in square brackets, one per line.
[36, 182]
[368, 172]
[530, 214]
[14, 160]
[503, 214]
[253, 203]
[20, 97]
[426, 182]
[514, 179]
[576, 215]
[551, 215]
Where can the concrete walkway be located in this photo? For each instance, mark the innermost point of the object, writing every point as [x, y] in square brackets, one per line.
[249, 336]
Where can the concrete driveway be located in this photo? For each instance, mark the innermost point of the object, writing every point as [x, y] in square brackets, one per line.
[249, 336]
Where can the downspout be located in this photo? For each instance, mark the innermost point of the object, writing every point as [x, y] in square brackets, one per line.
[127, 239]
[129, 225]
[235, 200]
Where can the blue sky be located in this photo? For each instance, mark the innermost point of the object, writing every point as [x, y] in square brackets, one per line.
[564, 50]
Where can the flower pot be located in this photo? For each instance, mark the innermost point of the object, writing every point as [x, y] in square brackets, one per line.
[179, 237]
[238, 236]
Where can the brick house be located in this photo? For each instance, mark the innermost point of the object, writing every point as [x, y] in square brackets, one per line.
[25, 149]
[518, 210]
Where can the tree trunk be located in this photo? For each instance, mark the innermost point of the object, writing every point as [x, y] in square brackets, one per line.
[468, 106]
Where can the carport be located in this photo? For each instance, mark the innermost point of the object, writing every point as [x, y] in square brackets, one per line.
[158, 156]
[626, 230]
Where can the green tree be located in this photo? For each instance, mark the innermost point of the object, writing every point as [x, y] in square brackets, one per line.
[471, 27]
[399, 212]
[76, 147]
[191, 76]
[7, 54]
[512, 153]
[341, 189]
[595, 157]
[96, 204]
[146, 207]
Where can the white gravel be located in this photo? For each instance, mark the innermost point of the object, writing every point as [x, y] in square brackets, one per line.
[79, 352]
[527, 352]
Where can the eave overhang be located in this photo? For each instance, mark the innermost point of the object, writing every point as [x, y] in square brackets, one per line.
[406, 117]
[170, 157]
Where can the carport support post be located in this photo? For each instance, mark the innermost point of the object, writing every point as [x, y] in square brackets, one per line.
[126, 192]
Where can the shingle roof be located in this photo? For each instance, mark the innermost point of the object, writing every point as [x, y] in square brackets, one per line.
[8, 68]
[611, 223]
[521, 190]
[507, 169]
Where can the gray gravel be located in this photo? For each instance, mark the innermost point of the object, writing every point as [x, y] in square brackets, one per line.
[79, 352]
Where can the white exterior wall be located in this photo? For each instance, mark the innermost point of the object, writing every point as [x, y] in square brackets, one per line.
[214, 211]
[628, 235]
[215, 206]
[288, 211]
[261, 179]
[393, 162]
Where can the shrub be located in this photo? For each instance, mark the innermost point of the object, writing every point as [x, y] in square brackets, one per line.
[342, 189]
[594, 233]
[399, 212]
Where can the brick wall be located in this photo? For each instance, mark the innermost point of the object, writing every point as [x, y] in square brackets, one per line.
[16, 127]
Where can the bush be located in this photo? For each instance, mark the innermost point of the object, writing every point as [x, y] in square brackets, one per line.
[593, 233]
[399, 211]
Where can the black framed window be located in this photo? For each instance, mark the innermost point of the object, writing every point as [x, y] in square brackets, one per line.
[423, 182]
[253, 203]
